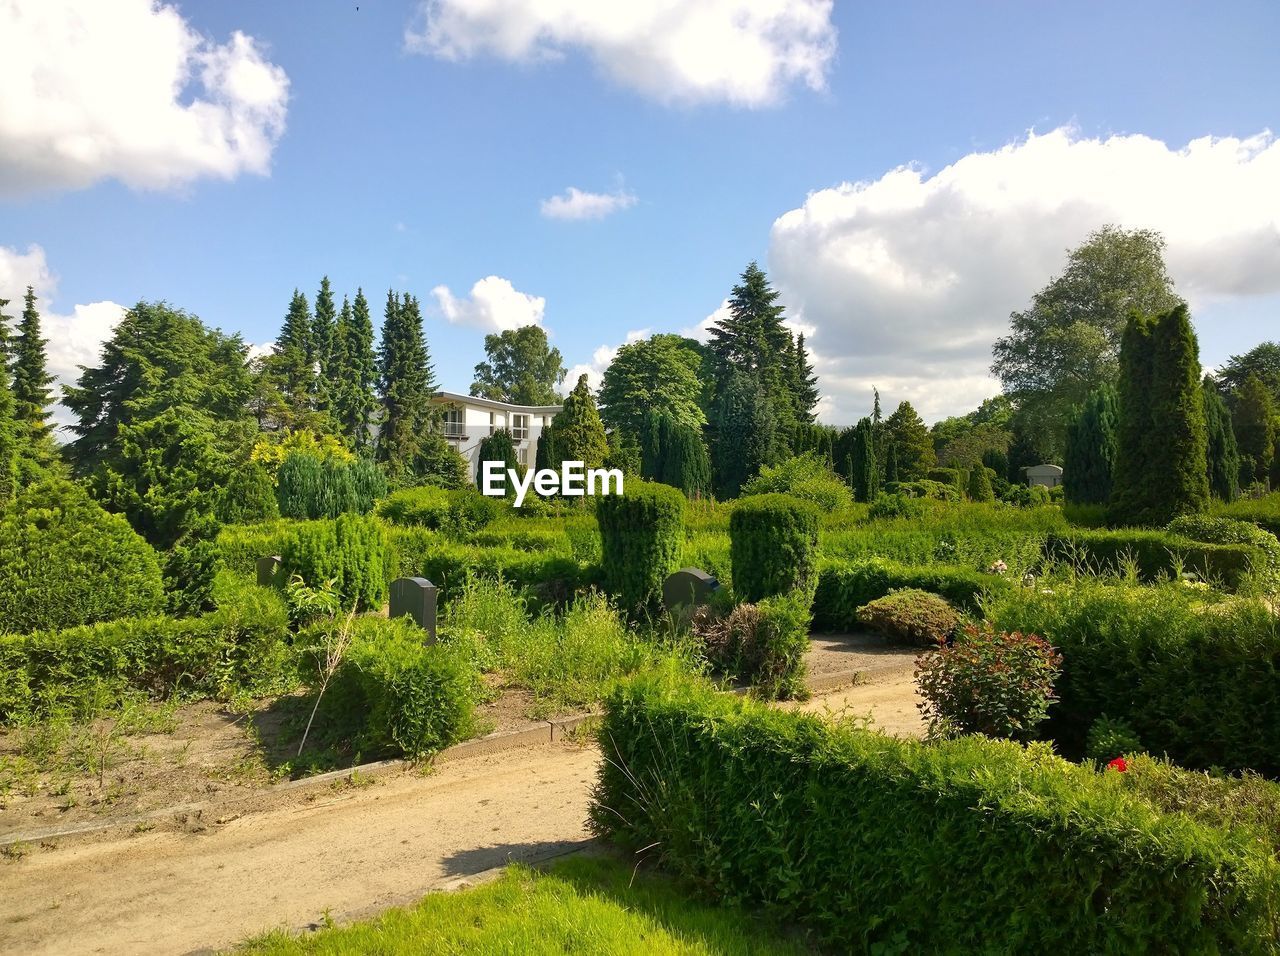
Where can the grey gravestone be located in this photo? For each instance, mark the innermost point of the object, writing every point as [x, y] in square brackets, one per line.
[268, 570]
[416, 598]
[688, 587]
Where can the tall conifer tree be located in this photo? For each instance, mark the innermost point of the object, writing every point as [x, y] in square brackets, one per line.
[405, 383]
[324, 341]
[8, 421]
[31, 380]
[1224, 454]
[1180, 441]
[362, 367]
[579, 433]
[1255, 429]
[1090, 452]
[293, 358]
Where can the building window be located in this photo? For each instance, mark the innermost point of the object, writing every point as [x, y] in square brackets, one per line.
[519, 427]
[454, 425]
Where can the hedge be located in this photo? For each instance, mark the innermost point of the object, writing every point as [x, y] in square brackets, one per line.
[641, 533]
[773, 546]
[1156, 553]
[242, 647]
[844, 586]
[890, 845]
[351, 551]
[454, 513]
[1264, 512]
[1199, 682]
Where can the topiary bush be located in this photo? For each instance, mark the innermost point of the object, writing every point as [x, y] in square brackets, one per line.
[249, 496]
[913, 616]
[844, 586]
[351, 551]
[773, 546]
[888, 507]
[807, 477]
[988, 682]
[641, 532]
[65, 561]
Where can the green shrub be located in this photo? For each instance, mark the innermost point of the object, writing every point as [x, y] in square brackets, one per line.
[249, 496]
[979, 489]
[773, 546]
[309, 486]
[923, 488]
[851, 833]
[454, 513]
[1263, 511]
[997, 684]
[761, 644]
[1157, 555]
[640, 535]
[239, 649]
[807, 477]
[1216, 530]
[888, 507]
[844, 586]
[64, 561]
[1108, 739]
[910, 615]
[1197, 681]
[1026, 496]
[350, 551]
[395, 694]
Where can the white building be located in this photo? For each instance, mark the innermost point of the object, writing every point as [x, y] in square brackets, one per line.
[468, 420]
[1050, 476]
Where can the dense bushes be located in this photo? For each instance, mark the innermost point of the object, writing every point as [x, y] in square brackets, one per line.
[1264, 512]
[240, 648]
[915, 617]
[761, 644]
[1157, 554]
[350, 551]
[1212, 530]
[308, 486]
[249, 496]
[640, 536]
[773, 546]
[64, 561]
[1197, 681]
[844, 586]
[806, 477]
[394, 693]
[880, 844]
[454, 513]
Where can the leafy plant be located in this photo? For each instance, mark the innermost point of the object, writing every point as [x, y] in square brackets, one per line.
[911, 615]
[1109, 739]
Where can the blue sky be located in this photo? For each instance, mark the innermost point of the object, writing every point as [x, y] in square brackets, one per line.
[390, 167]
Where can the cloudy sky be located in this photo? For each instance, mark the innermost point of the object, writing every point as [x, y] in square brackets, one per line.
[907, 173]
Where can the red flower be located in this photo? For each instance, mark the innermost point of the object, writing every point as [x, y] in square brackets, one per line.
[1118, 764]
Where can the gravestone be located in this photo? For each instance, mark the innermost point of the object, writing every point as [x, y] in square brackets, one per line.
[415, 598]
[688, 588]
[268, 570]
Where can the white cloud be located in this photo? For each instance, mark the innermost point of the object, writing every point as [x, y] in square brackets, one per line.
[127, 89]
[74, 338]
[600, 360]
[745, 52]
[494, 305]
[907, 280]
[576, 204]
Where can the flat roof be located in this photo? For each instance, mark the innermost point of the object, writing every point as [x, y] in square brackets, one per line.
[490, 403]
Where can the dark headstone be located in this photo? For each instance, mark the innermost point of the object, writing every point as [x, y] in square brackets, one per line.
[268, 570]
[415, 598]
[688, 587]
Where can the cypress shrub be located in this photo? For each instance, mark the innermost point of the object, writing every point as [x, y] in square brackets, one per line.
[980, 485]
[248, 497]
[310, 487]
[1223, 452]
[351, 551]
[497, 447]
[300, 486]
[1131, 474]
[1091, 450]
[641, 532]
[773, 546]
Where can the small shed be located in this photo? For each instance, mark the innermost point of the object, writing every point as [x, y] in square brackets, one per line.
[1050, 476]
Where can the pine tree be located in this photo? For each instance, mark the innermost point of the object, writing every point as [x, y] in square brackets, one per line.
[891, 464]
[746, 435]
[579, 433]
[324, 342]
[405, 383]
[1254, 422]
[293, 359]
[8, 421]
[1090, 450]
[31, 381]
[1224, 455]
[906, 430]
[1180, 441]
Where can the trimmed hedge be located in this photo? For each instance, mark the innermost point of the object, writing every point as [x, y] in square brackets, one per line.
[242, 647]
[454, 513]
[351, 551]
[1155, 553]
[64, 561]
[641, 532]
[773, 545]
[395, 694]
[1199, 682]
[844, 586]
[1264, 512]
[911, 615]
[889, 845]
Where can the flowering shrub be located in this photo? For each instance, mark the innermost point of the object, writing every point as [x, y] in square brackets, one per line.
[998, 567]
[991, 683]
[1119, 764]
[911, 615]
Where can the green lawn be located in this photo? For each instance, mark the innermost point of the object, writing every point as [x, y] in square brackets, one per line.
[582, 905]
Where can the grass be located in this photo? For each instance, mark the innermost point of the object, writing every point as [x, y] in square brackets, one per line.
[583, 905]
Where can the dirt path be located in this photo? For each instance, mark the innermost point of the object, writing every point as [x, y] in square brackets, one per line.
[343, 854]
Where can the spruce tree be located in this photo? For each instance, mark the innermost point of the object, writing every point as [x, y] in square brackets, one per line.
[579, 433]
[406, 381]
[1224, 455]
[1254, 421]
[31, 381]
[1090, 450]
[8, 421]
[293, 358]
[324, 342]
[746, 435]
[362, 369]
[805, 383]
[1180, 441]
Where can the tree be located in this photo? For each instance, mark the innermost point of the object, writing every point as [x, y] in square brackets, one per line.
[1067, 343]
[1262, 360]
[362, 367]
[325, 343]
[498, 447]
[1223, 453]
[406, 380]
[8, 419]
[674, 454]
[910, 437]
[1090, 452]
[292, 364]
[658, 372]
[522, 369]
[162, 421]
[891, 463]
[746, 434]
[979, 488]
[1254, 421]
[579, 433]
[1161, 468]
[31, 381]
[866, 477]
